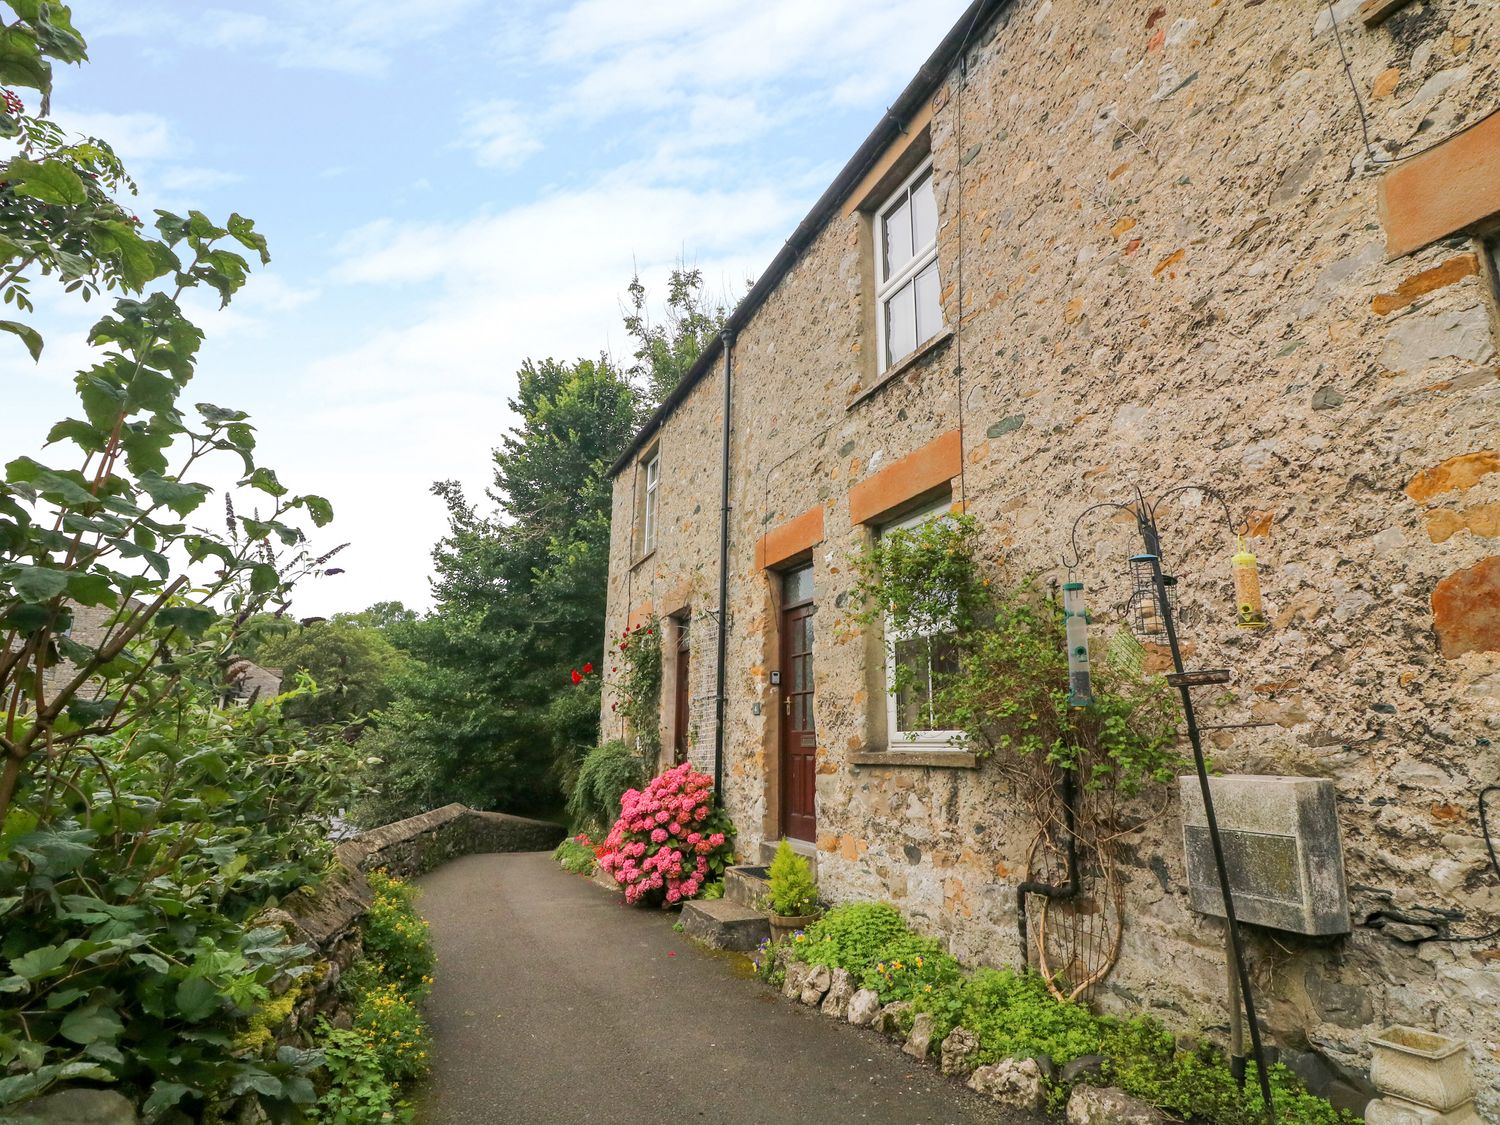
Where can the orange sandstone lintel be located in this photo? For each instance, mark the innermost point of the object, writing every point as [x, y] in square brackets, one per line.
[1444, 191]
[640, 614]
[790, 538]
[935, 464]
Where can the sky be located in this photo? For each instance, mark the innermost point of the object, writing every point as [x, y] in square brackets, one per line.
[449, 188]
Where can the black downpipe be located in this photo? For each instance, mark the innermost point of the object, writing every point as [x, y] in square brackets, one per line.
[1054, 891]
[727, 339]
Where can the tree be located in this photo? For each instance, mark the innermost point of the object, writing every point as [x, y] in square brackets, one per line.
[142, 826]
[520, 604]
[355, 669]
[666, 351]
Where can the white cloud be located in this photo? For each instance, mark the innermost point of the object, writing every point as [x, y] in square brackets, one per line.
[133, 136]
[187, 179]
[500, 133]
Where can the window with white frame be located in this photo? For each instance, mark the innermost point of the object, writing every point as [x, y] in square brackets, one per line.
[906, 272]
[924, 652]
[648, 521]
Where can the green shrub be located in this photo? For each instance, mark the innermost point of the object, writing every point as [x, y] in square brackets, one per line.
[396, 937]
[1144, 1062]
[909, 966]
[1013, 1015]
[769, 961]
[850, 936]
[792, 891]
[391, 1023]
[575, 855]
[359, 1093]
[713, 890]
[604, 774]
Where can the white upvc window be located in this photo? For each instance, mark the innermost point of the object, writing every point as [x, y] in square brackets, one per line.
[653, 480]
[926, 651]
[906, 272]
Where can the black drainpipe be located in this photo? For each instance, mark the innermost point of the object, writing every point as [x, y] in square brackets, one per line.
[1053, 890]
[727, 339]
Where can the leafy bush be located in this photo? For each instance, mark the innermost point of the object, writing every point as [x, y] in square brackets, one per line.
[396, 936]
[391, 1022]
[576, 855]
[769, 961]
[850, 936]
[909, 966]
[670, 840]
[604, 775]
[359, 1091]
[792, 891]
[1013, 1015]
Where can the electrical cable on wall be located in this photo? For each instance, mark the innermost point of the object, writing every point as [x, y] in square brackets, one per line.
[1364, 120]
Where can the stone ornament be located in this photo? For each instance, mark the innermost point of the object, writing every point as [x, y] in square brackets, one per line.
[1015, 1083]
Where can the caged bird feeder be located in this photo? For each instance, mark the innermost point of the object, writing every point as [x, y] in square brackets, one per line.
[1145, 602]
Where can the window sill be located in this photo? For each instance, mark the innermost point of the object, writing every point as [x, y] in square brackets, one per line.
[643, 558]
[901, 367]
[917, 756]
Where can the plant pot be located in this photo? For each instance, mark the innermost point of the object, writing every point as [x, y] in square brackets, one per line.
[785, 925]
[1430, 1070]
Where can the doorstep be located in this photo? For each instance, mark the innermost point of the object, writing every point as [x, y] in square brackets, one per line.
[724, 924]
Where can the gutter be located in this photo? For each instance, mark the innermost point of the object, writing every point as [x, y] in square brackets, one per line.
[976, 17]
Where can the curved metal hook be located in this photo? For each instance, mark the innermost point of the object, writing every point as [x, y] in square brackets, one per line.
[1083, 515]
[1234, 529]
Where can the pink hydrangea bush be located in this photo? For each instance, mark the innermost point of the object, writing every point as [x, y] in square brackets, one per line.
[670, 841]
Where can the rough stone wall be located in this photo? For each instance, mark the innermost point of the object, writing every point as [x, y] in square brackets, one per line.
[1172, 270]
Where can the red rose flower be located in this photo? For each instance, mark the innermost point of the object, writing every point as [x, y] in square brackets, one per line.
[577, 679]
[588, 669]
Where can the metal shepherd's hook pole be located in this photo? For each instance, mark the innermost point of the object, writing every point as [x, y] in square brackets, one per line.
[1152, 541]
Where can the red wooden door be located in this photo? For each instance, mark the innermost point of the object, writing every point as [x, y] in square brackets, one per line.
[798, 731]
[683, 698]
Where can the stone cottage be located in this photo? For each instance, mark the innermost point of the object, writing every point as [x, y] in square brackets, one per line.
[1093, 248]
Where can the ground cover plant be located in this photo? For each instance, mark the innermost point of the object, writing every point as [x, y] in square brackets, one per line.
[670, 840]
[576, 854]
[1015, 1015]
[368, 1067]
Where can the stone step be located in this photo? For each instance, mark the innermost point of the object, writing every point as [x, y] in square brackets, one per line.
[746, 884]
[725, 925]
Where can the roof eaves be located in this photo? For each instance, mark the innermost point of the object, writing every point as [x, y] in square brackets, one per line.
[975, 19]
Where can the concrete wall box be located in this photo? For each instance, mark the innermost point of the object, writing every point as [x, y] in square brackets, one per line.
[1281, 843]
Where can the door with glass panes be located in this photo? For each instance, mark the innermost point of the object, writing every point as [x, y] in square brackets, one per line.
[799, 740]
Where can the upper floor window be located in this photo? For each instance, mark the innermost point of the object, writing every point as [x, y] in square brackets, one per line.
[648, 523]
[906, 268]
[919, 658]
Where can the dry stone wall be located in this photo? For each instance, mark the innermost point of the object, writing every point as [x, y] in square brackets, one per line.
[1162, 251]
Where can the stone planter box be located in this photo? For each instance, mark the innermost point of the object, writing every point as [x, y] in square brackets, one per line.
[606, 880]
[1423, 1067]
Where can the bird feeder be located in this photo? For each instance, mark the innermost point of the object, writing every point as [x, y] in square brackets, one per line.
[1076, 631]
[1247, 590]
[1145, 602]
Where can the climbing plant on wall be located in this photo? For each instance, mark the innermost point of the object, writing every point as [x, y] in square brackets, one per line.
[636, 676]
[1005, 689]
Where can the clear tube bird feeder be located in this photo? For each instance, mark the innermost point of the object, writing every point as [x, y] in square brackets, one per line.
[1145, 603]
[1076, 631]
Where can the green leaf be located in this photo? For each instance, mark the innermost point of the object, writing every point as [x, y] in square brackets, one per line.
[40, 583]
[21, 63]
[319, 509]
[43, 961]
[219, 415]
[263, 578]
[192, 620]
[91, 1024]
[51, 181]
[181, 497]
[29, 336]
[87, 437]
[164, 1095]
[132, 254]
[265, 480]
[197, 999]
[243, 232]
[91, 589]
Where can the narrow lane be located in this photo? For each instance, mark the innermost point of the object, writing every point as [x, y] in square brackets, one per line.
[554, 1005]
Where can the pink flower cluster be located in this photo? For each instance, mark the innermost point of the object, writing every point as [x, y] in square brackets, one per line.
[669, 840]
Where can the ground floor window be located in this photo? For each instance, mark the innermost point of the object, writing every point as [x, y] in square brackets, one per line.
[918, 657]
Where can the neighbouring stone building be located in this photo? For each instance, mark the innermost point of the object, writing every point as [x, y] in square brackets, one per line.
[1154, 248]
